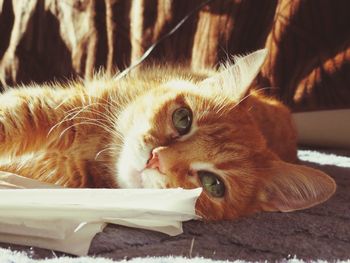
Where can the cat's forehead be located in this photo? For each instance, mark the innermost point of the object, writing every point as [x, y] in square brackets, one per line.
[181, 86]
[185, 92]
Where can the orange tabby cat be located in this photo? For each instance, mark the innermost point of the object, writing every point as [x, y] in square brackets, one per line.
[163, 128]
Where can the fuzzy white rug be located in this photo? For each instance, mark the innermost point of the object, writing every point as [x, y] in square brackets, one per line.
[324, 158]
[8, 256]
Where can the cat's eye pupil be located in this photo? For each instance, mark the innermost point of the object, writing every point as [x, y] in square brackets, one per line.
[182, 120]
[212, 183]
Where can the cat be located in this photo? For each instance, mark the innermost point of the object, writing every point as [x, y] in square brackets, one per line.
[164, 127]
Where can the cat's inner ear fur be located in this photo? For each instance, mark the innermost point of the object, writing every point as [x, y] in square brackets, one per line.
[235, 79]
[294, 187]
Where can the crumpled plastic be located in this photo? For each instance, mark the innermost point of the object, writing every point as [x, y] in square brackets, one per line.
[38, 214]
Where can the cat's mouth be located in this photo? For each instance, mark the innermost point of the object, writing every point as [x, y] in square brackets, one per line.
[153, 178]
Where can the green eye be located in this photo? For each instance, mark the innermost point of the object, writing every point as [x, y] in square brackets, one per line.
[212, 184]
[182, 120]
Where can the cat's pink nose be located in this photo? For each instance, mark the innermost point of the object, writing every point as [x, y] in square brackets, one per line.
[154, 161]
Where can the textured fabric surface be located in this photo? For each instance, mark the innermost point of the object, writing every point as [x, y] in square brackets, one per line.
[8, 256]
[322, 232]
[308, 65]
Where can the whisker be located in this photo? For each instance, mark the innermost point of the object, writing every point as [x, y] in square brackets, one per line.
[106, 149]
[59, 105]
[250, 94]
[80, 123]
[102, 124]
[78, 110]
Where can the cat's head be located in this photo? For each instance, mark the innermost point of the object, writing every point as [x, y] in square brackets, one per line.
[197, 134]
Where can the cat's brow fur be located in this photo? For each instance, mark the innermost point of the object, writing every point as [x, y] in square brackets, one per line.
[100, 133]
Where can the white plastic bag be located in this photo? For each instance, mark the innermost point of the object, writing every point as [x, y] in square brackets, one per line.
[67, 219]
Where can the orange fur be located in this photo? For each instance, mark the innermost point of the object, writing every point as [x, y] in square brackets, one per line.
[102, 133]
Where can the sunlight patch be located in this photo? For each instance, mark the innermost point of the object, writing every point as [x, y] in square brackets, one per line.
[323, 158]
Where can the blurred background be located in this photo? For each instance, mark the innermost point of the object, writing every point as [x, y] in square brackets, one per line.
[308, 66]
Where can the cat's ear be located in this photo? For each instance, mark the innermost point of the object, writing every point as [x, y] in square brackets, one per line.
[235, 79]
[294, 187]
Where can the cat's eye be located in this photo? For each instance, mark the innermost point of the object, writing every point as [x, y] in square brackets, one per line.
[212, 183]
[182, 120]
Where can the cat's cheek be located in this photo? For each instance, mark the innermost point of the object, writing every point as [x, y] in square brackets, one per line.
[131, 180]
[209, 209]
[132, 160]
[128, 176]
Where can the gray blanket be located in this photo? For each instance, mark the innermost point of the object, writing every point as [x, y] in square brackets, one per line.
[322, 232]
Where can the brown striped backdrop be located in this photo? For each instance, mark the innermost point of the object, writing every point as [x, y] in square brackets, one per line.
[309, 41]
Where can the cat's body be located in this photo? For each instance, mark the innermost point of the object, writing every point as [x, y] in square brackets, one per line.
[161, 128]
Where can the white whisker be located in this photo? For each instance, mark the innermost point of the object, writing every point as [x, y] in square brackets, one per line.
[106, 149]
[78, 124]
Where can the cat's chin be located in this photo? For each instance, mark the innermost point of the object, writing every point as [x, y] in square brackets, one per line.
[129, 178]
[152, 178]
[147, 178]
